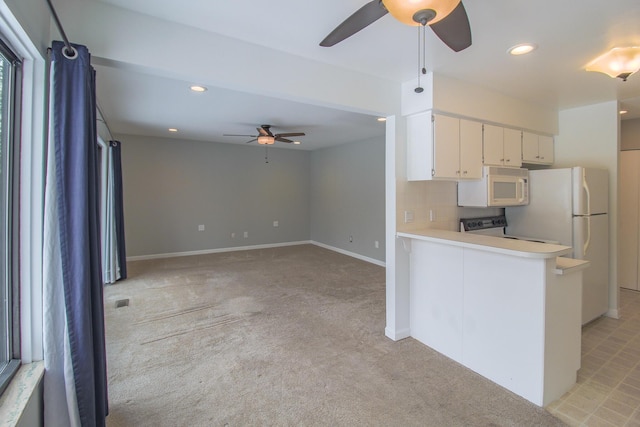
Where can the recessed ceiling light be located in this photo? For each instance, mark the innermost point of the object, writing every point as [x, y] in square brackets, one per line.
[623, 111]
[296, 142]
[173, 130]
[522, 48]
[382, 119]
[197, 88]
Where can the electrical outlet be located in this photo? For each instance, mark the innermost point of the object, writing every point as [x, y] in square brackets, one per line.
[276, 224]
[432, 215]
[408, 216]
[350, 239]
[233, 235]
[376, 244]
[246, 234]
[201, 227]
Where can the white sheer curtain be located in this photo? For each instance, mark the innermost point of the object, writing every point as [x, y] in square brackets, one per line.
[110, 260]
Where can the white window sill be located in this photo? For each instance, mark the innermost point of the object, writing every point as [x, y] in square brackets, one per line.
[22, 387]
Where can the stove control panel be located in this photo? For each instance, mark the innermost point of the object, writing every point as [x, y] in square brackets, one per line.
[483, 223]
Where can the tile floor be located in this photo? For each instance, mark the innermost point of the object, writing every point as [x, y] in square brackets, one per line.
[608, 388]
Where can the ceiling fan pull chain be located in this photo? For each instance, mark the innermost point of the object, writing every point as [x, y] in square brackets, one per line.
[418, 89]
[266, 154]
[424, 50]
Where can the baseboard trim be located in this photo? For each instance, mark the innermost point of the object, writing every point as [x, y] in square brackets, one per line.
[218, 250]
[613, 313]
[248, 248]
[351, 254]
[397, 335]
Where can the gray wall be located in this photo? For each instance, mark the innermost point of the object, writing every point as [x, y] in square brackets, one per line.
[347, 197]
[171, 187]
[630, 134]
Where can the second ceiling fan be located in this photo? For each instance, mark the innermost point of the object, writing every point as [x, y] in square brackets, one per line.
[447, 18]
[266, 137]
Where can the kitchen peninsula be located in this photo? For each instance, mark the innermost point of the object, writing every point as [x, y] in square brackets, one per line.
[509, 310]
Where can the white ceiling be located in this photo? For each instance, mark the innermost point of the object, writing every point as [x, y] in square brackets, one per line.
[569, 34]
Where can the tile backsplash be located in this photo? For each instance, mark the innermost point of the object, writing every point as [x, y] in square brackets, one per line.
[433, 204]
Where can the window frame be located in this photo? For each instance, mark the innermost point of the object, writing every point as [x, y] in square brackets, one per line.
[11, 163]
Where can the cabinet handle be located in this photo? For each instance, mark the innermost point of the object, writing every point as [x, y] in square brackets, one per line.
[537, 157]
[457, 172]
[502, 160]
[465, 172]
[508, 160]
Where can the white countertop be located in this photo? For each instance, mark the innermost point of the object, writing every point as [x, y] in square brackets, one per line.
[519, 248]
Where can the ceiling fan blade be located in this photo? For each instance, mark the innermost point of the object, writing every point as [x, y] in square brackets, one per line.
[262, 132]
[286, 135]
[255, 139]
[235, 134]
[454, 29]
[281, 139]
[363, 17]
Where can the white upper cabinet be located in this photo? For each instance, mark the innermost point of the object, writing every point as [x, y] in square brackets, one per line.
[470, 149]
[443, 147]
[537, 149]
[501, 146]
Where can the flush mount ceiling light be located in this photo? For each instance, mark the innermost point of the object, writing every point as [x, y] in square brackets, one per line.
[197, 88]
[266, 140]
[522, 49]
[619, 62]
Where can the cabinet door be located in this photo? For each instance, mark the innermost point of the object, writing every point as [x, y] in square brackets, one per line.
[530, 148]
[492, 140]
[470, 149]
[628, 220]
[419, 146]
[545, 149]
[512, 147]
[446, 147]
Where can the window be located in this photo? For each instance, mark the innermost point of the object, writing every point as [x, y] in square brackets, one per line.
[10, 79]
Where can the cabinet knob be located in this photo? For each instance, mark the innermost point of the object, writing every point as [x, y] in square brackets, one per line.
[537, 157]
[464, 173]
[502, 160]
[508, 160]
[457, 172]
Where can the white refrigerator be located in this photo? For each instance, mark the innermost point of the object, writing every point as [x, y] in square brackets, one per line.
[571, 206]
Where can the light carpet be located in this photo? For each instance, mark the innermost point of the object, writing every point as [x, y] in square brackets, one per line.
[290, 336]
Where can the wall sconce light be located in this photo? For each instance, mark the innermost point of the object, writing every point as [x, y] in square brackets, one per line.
[619, 62]
[266, 140]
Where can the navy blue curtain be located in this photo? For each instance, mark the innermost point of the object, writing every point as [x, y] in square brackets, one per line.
[119, 206]
[77, 181]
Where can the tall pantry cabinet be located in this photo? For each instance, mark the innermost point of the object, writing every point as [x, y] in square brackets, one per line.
[629, 213]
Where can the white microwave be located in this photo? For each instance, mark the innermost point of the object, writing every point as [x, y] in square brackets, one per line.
[499, 187]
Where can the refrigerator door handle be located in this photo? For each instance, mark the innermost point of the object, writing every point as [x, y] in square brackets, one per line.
[588, 239]
[585, 186]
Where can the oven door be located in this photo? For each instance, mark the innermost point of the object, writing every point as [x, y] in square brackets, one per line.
[507, 190]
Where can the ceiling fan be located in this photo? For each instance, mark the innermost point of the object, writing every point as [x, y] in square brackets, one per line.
[266, 137]
[447, 18]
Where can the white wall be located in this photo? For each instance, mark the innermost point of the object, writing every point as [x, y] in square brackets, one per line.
[348, 199]
[589, 136]
[630, 134]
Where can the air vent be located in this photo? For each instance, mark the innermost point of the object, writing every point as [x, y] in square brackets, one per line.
[122, 303]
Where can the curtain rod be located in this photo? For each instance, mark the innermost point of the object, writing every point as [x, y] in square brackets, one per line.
[71, 52]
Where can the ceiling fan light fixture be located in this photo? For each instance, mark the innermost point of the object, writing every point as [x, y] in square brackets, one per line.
[618, 62]
[266, 140]
[412, 12]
